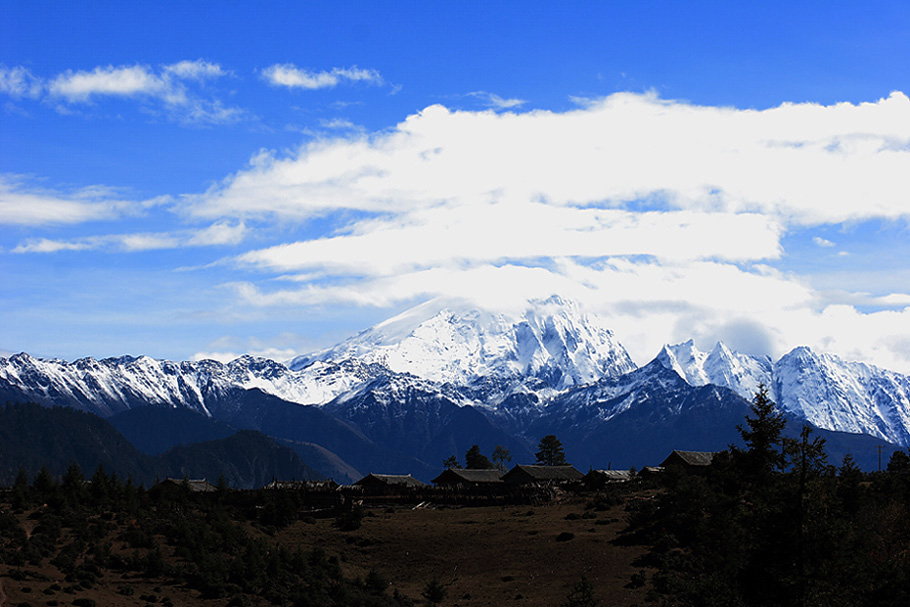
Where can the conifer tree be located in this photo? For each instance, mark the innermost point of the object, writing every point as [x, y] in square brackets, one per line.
[475, 460]
[550, 452]
[764, 453]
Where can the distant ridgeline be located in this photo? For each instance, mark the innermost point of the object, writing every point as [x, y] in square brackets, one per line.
[32, 437]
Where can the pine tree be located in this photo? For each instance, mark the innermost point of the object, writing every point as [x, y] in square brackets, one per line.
[434, 592]
[550, 452]
[73, 483]
[44, 484]
[764, 453]
[21, 491]
[475, 460]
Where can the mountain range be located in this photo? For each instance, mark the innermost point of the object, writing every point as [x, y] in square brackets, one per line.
[408, 392]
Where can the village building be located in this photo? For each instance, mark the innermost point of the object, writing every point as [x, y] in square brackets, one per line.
[388, 483]
[690, 461]
[461, 477]
[312, 486]
[542, 475]
[596, 479]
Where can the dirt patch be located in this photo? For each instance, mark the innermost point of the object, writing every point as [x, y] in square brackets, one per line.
[486, 556]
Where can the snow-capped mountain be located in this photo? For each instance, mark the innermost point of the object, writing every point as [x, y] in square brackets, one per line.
[443, 376]
[111, 385]
[450, 342]
[822, 389]
[845, 396]
[722, 367]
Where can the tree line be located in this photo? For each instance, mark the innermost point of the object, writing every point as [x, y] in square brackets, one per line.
[774, 523]
[550, 452]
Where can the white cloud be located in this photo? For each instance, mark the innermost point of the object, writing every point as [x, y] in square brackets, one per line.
[221, 233]
[801, 163]
[282, 347]
[218, 234]
[123, 81]
[21, 204]
[659, 214]
[502, 231]
[291, 76]
[822, 242]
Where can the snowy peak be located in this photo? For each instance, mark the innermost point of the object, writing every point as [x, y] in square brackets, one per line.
[687, 360]
[846, 396]
[722, 367]
[111, 385]
[823, 389]
[452, 342]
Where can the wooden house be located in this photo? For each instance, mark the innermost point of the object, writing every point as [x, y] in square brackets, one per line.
[461, 477]
[599, 478]
[691, 461]
[388, 483]
[543, 475]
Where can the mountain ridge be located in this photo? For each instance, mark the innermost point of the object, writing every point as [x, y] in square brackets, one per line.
[508, 377]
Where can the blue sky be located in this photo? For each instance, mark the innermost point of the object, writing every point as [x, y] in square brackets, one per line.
[208, 179]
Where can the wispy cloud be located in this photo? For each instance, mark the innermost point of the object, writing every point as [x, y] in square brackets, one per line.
[218, 234]
[495, 101]
[291, 76]
[169, 85]
[19, 82]
[22, 203]
[124, 81]
[196, 70]
[822, 242]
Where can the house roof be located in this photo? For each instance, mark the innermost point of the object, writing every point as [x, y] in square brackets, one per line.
[461, 475]
[690, 458]
[397, 480]
[303, 485]
[543, 473]
[612, 475]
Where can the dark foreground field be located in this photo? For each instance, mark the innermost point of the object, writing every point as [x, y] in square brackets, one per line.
[513, 555]
[490, 555]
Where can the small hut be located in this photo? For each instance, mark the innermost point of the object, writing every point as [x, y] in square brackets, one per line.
[690, 461]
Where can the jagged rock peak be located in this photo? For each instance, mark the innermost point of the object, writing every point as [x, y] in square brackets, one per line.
[722, 366]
